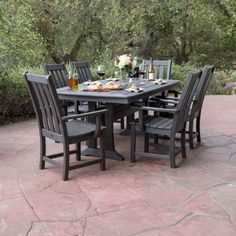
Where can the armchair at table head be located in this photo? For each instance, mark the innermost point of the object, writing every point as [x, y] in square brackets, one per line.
[63, 129]
[159, 126]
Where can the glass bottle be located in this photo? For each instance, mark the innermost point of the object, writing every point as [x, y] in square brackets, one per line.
[75, 83]
[70, 80]
[151, 72]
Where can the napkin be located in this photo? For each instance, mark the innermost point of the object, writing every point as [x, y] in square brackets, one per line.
[135, 90]
[112, 79]
[88, 82]
[158, 81]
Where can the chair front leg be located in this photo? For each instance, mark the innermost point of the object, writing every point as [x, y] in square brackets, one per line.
[42, 152]
[183, 142]
[102, 151]
[198, 128]
[132, 143]
[191, 144]
[78, 151]
[172, 151]
[146, 142]
[66, 161]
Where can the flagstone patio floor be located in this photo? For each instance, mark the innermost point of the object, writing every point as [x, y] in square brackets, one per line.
[146, 198]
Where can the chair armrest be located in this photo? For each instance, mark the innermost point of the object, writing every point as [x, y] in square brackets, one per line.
[86, 114]
[175, 92]
[145, 108]
[141, 110]
[169, 101]
[97, 114]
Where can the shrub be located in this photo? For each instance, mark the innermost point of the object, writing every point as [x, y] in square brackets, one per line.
[180, 72]
[15, 101]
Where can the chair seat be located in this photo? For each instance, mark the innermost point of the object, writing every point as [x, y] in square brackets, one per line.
[159, 123]
[81, 129]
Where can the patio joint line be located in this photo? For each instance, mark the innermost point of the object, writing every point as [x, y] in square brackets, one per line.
[165, 226]
[24, 196]
[230, 156]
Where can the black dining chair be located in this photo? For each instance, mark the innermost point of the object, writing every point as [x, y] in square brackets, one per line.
[196, 108]
[59, 75]
[63, 129]
[82, 68]
[158, 125]
[194, 116]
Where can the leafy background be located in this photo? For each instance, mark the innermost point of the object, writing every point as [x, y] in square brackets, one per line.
[192, 33]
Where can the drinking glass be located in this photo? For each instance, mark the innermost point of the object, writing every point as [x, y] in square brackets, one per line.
[142, 72]
[101, 71]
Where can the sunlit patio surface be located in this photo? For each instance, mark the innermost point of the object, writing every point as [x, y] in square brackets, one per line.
[146, 198]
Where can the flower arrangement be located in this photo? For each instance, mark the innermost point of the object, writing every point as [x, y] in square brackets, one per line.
[126, 62]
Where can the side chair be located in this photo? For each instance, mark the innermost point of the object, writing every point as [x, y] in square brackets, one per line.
[158, 125]
[63, 129]
[83, 70]
[163, 71]
[59, 74]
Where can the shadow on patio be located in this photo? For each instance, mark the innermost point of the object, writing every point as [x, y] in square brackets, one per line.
[145, 198]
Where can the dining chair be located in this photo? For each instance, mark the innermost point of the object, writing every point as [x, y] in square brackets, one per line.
[162, 71]
[162, 68]
[63, 129]
[158, 125]
[85, 74]
[59, 75]
[194, 116]
[196, 108]
[83, 70]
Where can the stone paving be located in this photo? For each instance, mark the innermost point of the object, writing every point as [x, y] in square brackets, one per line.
[147, 198]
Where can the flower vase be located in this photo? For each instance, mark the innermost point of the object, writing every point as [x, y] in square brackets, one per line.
[124, 78]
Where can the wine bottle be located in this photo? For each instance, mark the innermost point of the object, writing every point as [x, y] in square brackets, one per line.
[151, 72]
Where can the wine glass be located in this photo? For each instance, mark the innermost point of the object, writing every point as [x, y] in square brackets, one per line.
[101, 71]
[142, 72]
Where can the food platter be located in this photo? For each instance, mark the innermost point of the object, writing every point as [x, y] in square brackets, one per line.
[100, 89]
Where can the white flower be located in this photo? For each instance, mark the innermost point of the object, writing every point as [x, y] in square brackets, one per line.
[126, 61]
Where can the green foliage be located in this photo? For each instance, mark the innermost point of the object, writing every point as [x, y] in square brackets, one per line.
[192, 33]
[218, 83]
[14, 97]
[180, 72]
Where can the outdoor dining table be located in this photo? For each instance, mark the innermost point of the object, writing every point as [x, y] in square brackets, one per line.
[117, 102]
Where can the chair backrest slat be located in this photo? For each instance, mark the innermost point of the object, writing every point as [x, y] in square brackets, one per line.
[46, 107]
[46, 103]
[41, 107]
[58, 72]
[186, 98]
[54, 118]
[162, 68]
[83, 70]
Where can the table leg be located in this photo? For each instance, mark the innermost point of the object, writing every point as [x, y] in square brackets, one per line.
[109, 139]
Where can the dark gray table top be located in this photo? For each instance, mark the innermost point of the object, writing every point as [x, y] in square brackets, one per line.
[116, 96]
